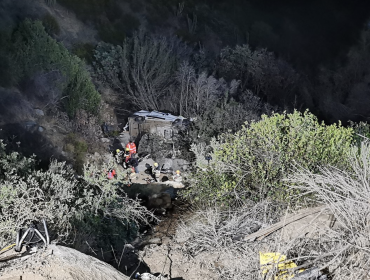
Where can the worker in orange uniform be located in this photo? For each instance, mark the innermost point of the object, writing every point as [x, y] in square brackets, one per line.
[132, 147]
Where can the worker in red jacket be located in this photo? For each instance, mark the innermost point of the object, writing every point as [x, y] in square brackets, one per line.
[132, 147]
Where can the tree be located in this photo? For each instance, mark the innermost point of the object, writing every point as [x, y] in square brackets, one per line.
[258, 71]
[200, 92]
[142, 69]
[35, 51]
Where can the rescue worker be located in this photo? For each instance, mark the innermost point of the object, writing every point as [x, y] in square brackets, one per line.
[119, 156]
[127, 156]
[177, 177]
[131, 146]
[134, 163]
[208, 157]
[105, 128]
[156, 171]
[111, 174]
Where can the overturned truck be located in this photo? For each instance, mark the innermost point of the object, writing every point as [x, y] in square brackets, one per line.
[158, 123]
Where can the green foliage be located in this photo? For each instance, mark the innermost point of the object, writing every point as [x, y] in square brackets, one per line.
[27, 195]
[84, 51]
[254, 161]
[226, 116]
[78, 148]
[71, 207]
[51, 25]
[36, 51]
[260, 71]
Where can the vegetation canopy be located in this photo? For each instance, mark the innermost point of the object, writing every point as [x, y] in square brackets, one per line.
[67, 204]
[253, 162]
[36, 52]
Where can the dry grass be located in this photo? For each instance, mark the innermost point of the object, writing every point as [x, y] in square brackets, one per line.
[215, 237]
[347, 194]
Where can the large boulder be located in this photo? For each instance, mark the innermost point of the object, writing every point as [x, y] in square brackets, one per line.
[58, 262]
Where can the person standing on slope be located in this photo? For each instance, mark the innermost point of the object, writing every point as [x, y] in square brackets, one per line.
[156, 171]
[132, 147]
[127, 156]
[119, 156]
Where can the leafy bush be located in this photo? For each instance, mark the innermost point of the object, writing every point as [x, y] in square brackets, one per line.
[68, 205]
[253, 161]
[36, 51]
[78, 148]
[84, 51]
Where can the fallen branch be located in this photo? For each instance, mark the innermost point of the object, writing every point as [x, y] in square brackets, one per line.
[267, 231]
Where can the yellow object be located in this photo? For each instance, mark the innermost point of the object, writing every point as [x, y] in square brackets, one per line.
[177, 171]
[127, 149]
[270, 260]
[118, 150]
[156, 164]
[8, 247]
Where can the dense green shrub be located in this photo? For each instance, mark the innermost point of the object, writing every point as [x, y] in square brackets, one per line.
[36, 51]
[254, 161]
[78, 148]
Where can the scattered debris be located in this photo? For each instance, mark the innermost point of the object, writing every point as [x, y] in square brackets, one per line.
[272, 261]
